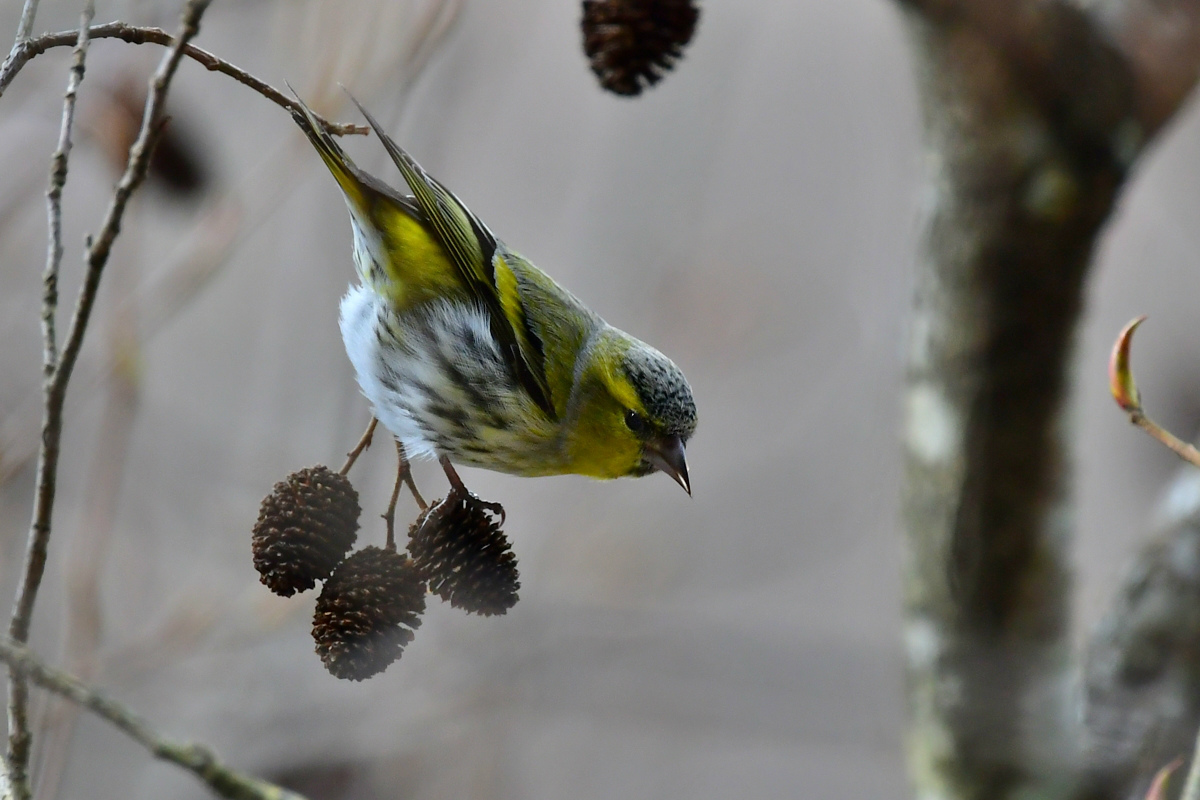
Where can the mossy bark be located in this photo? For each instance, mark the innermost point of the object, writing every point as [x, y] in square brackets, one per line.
[1028, 143]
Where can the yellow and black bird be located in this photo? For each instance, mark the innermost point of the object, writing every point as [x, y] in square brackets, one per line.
[468, 352]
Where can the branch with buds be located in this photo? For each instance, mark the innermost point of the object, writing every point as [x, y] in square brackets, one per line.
[1125, 392]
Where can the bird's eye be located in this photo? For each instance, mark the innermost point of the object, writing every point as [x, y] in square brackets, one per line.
[635, 421]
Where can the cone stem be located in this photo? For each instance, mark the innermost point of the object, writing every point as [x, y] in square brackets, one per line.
[403, 476]
[406, 474]
[363, 443]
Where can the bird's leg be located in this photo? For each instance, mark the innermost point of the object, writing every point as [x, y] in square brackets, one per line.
[363, 444]
[452, 474]
[457, 484]
[403, 476]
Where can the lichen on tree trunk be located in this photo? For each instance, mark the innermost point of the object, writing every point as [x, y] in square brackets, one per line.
[1022, 173]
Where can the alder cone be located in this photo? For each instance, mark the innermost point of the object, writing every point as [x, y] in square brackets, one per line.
[367, 613]
[459, 548]
[305, 528]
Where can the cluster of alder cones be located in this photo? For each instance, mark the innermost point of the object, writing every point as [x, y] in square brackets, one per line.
[372, 599]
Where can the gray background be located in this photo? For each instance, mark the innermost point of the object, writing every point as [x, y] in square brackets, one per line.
[756, 217]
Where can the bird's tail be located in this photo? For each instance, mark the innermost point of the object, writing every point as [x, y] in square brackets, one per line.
[344, 171]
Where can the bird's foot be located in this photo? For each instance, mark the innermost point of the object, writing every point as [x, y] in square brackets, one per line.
[456, 483]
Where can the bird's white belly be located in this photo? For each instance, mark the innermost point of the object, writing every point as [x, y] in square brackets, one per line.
[436, 379]
[359, 311]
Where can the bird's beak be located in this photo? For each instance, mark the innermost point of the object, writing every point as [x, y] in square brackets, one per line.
[666, 454]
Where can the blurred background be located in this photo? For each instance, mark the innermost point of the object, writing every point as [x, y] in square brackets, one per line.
[756, 216]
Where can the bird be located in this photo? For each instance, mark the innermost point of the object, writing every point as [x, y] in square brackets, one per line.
[469, 353]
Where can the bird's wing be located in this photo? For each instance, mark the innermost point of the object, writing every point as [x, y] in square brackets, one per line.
[415, 267]
[482, 268]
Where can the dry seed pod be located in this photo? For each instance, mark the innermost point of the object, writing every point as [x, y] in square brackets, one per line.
[304, 529]
[461, 551]
[367, 612]
[631, 44]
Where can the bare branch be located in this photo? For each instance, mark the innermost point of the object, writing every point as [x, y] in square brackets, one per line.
[118, 30]
[20, 45]
[58, 179]
[364, 442]
[91, 539]
[195, 758]
[25, 26]
[55, 388]
[18, 750]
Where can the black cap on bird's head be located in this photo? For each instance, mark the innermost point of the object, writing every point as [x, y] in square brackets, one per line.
[670, 411]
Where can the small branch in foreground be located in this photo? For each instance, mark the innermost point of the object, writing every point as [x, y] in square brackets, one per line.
[17, 759]
[58, 179]
[25, 51]
[25, 26]
[364, 442]
[195, 758]
[1124, 391]
[1172, 442]
[54, 254]
[55, 391]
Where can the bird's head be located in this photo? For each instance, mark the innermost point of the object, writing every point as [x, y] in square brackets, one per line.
[634, 411]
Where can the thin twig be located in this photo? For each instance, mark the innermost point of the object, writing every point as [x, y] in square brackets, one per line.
[27, 50]
[17, 758]
[406, 471]
[363, 443]
[403, 476]
[58, 179]
[98, 251]
[25, 26]
[389, 516]
[91, 540]
[1173, 443]
[85, 567]
[195, 758]
[21, 43]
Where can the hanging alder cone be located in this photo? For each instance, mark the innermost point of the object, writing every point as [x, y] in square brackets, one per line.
[367, 612]
[632, 44]
[305, 528]
[460, 550]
